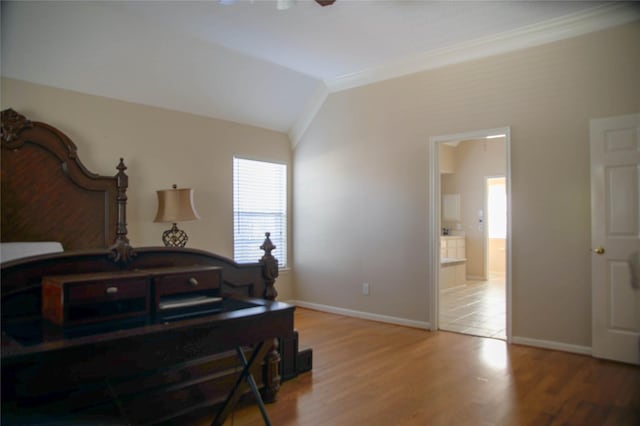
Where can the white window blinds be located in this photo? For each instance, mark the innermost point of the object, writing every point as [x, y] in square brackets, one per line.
[259, 206]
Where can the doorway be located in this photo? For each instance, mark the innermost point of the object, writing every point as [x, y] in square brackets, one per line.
[470, 229]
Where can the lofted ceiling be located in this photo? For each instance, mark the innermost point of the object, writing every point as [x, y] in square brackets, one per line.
[249, 62]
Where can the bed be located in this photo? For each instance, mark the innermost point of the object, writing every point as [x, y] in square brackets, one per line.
[73, 222]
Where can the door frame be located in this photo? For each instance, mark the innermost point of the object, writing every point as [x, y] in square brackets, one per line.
[434, 209]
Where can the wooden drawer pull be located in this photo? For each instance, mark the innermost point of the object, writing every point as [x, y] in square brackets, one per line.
[111, 290]
[193, 281]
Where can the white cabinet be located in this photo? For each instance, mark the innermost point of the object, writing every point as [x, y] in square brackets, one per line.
[452, 247]
[451, 207]
[453, 262]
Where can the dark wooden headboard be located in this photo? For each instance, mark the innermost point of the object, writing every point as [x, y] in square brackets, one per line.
[48, 194]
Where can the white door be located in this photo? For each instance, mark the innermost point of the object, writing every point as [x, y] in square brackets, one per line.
[615, 237]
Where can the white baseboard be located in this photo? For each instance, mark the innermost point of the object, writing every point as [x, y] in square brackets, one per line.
[476, 278]
[545, 344]
[449, 289]
[549, 344]
[362, 315]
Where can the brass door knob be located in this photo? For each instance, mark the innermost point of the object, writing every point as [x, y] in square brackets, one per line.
[599, 250]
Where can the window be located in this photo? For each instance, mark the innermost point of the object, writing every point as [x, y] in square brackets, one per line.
[497, 207]
[259, 206]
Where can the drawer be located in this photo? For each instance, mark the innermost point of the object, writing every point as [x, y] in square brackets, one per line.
[103, 291]
[196, 280]
[70, 300]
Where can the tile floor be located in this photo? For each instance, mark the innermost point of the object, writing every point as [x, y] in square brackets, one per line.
[477, 308]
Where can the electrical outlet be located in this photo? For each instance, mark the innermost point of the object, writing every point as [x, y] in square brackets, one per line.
[365, 289]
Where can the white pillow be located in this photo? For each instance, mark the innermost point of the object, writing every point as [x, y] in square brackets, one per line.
[12, 251]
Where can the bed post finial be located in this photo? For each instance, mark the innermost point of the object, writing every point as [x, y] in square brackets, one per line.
[121, 251]
[269, 268]
[272, 360]
[12, 124]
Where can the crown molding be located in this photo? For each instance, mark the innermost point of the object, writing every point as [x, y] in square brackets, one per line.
[594, 19]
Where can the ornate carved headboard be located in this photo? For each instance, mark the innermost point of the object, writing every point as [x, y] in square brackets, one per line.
[48, 194]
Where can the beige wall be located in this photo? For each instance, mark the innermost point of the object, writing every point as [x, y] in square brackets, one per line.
[447, 158]
[362, 177]
[160, 147]
[474, 160]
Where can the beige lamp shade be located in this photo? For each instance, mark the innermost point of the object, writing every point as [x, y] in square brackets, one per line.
[176, 205]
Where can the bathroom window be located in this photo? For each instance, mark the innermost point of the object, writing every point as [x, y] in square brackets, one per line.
[497, 208]
[259, 206]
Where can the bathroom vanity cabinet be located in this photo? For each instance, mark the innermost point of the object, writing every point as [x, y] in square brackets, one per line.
[453, 261]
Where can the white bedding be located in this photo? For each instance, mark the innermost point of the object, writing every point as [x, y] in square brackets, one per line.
[12, 251]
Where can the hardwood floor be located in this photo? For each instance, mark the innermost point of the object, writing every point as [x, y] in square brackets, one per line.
[370, 373]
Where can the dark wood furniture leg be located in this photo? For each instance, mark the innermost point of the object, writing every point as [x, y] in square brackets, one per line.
[271, 373]
[250, 368]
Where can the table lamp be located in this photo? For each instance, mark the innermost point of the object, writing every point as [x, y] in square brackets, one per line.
[175, 205]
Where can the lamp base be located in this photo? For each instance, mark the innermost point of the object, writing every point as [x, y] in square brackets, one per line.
[174, 237]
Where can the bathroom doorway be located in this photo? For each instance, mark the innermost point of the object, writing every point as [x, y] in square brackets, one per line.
[470, 224]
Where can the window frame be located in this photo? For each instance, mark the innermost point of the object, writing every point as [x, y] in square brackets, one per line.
[280, 241]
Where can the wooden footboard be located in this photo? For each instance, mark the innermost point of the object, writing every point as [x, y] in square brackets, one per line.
[197, 382]
[48, 195]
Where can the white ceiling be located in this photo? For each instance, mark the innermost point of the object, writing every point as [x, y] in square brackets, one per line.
[247, 61]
